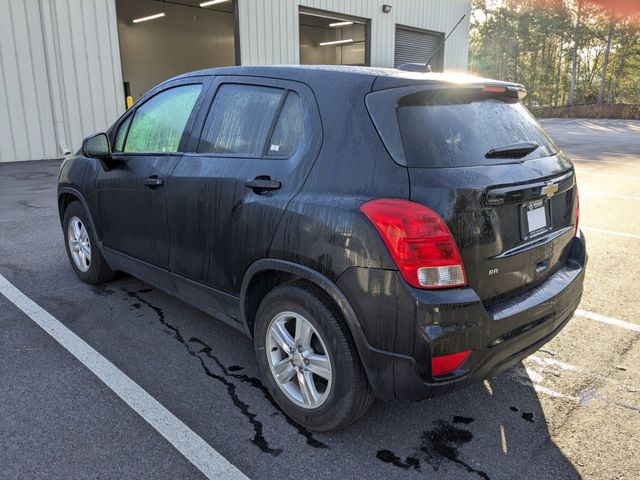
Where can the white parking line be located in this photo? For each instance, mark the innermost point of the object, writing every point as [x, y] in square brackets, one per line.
[591, 160]
[608, 320]
[610, 232]
[617, 175]
[185, 440]
[609, 195]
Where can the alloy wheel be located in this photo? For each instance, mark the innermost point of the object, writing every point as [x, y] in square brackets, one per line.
[79, 243]
[299, 360]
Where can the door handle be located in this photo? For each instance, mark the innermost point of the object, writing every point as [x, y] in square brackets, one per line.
[153, 181]
[263, 184]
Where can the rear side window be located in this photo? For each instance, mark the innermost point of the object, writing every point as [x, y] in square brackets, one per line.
[454, 130]
[240, 119]
[287, 133]
[159, 123]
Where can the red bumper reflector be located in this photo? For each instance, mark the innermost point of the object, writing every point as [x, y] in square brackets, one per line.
[448, 363]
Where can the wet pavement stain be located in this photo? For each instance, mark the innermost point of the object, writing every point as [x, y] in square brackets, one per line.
[258, 439]
[465, 420]
[528, 416]
[27, 204]
[443, 442]
[438, 445]
[388, 456]
[103, 291]
[257, 383]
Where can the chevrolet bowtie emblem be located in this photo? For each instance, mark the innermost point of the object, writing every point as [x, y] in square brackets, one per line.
[549, 189]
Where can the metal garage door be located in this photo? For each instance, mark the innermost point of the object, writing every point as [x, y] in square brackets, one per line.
[415, 46]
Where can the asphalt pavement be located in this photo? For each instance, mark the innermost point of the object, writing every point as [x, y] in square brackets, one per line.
[571, 410]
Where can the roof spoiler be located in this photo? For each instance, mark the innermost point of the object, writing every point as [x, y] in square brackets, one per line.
[516, 91]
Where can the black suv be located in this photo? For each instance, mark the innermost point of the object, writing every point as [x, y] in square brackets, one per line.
[376, 232]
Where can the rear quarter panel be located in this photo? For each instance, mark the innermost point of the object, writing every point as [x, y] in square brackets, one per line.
[323, 227]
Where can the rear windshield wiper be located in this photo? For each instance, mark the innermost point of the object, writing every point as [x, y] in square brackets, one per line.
[515, 150]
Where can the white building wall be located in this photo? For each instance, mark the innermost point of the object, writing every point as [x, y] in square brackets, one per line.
[26, 119]
[269, 30]
[60, 75]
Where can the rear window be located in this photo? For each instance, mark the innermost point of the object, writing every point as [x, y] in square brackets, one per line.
[440, 130]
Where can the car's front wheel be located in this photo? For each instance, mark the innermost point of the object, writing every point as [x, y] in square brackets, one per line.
[82, 249]
[308, 360]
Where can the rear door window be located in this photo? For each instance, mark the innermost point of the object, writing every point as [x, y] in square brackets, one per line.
[458, 130]
[159, 123]
[288, 130]
[240, 120]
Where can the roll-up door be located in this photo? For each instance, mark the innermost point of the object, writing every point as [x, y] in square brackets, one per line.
[416, 46]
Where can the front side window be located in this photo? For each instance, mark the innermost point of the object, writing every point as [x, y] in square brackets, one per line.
[240, 119]
[288, 130]
[118, 145]
[159, 123]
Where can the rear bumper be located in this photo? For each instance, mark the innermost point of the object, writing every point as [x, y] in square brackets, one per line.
[404, 327]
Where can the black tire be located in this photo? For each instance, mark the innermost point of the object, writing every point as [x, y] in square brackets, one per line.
[350, 395]
[98, 271]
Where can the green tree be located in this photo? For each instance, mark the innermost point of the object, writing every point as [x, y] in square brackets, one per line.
[563, 51]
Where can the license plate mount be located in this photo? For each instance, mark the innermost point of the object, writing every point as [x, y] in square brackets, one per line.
[535, 218]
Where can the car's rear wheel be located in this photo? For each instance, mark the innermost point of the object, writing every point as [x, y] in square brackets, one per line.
[308, 359]
[80, 240]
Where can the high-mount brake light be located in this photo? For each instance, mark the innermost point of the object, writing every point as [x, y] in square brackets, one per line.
[419, 242]
[495, 89]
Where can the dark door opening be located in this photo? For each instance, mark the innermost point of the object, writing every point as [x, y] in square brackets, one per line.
[333, 39]
[161, 39]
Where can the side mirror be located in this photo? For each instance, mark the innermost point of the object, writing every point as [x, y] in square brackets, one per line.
[97, 146]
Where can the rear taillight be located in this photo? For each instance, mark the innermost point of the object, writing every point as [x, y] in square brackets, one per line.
[419, 242]
[577, 210]
[448, 363]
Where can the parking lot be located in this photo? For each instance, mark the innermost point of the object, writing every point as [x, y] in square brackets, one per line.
[571, 410]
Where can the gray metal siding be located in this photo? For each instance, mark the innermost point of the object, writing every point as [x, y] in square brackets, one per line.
[26, 126]
[269, 30]
[59, 72]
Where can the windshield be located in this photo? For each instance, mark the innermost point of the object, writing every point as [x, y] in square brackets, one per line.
[461, 133]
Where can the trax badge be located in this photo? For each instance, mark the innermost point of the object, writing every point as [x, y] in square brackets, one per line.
[549, 189]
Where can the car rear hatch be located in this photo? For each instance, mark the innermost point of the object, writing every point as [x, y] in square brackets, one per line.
[478, 158]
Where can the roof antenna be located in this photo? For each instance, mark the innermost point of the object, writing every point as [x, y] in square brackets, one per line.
[428, 64]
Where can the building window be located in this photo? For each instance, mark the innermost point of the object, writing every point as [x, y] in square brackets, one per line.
[333, 39]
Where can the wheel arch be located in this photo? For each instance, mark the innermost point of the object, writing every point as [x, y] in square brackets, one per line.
[67, 195]
[264, 275]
